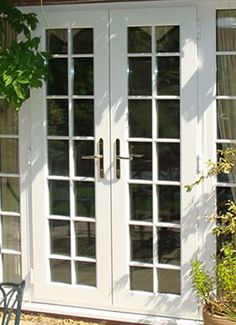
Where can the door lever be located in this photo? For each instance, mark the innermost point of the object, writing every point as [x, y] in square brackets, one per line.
[89, 157]
[132, 156]
[99, 157]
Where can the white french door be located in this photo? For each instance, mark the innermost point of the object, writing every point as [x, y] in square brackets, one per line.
[112, 148]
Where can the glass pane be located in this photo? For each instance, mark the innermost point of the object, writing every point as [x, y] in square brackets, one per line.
[86, 273]
[169, 246]
[57, 116]
[58, 157]
[226, 115]
[141, 279]
[169, 281]
[84, 167]
[60, 237]
[141, 168]
[84, 117]
[168, 77]
[224, 194]
[8, 119]
[58, 81]
[85, 199]
[226, 32]
[9, 160]
[140, 118]
[11, 238]
[11, 268]
[139, 40]
[57, 41]
[85, 239]
[83, 76]
[9, 191]
[59, 198]
[140, 76]
[226, 75]
[169, 161]
[82, 41]
[167, 38]
[169, 203]
[141, 244]
[60, 271]
[168, 119]
[141, 202]
[231, 177]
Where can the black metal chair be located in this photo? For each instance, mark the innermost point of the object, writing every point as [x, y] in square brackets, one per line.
[11, 301]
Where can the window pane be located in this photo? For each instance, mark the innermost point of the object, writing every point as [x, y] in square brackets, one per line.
[86, 273]
[9, 160]
[84, 167]
[141, 168]
[60, 237]
[169, 281]
[60, 271]
[59, 198]
[11, 238]
[169, 246]
[226, 75]
[57, 41]
[139, 40]
[58, 81]
[57, 116]
[85, 199]
[9, 191]
[140, 118]
[8, 119]
[141, 202]
[140, 81]
[83, 76]
[141, 279]
[141, 244]
[226, 116]
[11, 268]
[224, 177]
[226, 31]
[169, 161]
[168, 77]
[84, 117]
[168, 115]
[167, 39]
[58, 157]
[82, 41]
[85, 239]
[169, 203]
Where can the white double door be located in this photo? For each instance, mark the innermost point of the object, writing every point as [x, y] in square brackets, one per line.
[113, 144]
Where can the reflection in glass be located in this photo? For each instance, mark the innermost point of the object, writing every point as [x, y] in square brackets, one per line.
[84, 167]
[167, 38]
[85, 239]
[58, 81]
[226, 116]
[57, 114]
[59, 197]
[169, 281]
[168, 77]
[227, 177]
[83, 117]
[11, 268]
[140, 118]
[83, 76]
[86, 273]
[141, 202]
[226, 75]
[168, 119]
[141, 278]
[141, 168]
[140, 80]
[57, 41]
[8, 119]
[169, 203]
[11, 238]
[60, 271]
[82, 41]
[85, 199]
[169, 161]
[224, 194]
[139, 40]
[58, 157]
[226, 32]
[9, 160]
[169, 246]
[60, 237]
[141, 238]
[9, 191]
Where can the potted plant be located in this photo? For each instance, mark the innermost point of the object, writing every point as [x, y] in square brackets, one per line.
[22, 65]
[217, 288]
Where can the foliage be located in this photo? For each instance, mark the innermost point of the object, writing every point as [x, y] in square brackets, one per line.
[22, 65]
[218, 290]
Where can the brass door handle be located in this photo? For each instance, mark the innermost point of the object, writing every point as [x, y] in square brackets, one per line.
[132, 156]
[89, 157]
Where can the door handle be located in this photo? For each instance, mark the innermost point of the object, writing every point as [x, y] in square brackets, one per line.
[119, 157]
[99, 157]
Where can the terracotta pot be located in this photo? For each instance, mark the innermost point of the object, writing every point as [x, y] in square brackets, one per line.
[210, 319]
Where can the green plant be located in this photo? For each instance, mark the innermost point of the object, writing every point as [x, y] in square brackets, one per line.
[217, 289]
[22, 65]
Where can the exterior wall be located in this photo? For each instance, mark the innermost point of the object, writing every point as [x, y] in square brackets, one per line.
[54, 2]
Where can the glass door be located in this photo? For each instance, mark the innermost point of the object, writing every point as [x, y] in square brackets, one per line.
[153, 109]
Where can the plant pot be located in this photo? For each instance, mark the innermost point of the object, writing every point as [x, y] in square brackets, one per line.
[210, 319]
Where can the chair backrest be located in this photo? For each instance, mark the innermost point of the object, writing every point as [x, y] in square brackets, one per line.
[11, 301]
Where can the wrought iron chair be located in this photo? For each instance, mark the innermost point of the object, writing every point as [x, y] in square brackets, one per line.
[11, 301]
